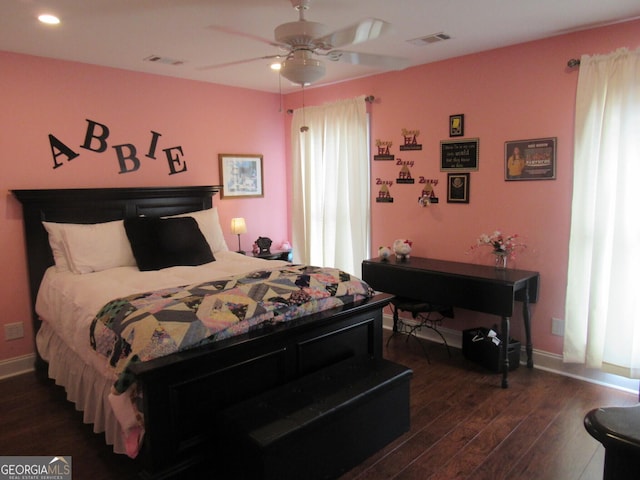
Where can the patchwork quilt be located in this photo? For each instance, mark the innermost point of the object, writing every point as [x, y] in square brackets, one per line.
[154, 324]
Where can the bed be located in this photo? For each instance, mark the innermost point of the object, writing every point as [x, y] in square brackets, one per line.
[177, 395]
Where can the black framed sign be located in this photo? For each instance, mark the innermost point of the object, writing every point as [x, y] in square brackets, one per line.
[530, 159]
[458, 187]
[459, 155]
[456, 125]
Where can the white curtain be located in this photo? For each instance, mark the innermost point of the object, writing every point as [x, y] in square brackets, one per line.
[602, 315]
[331, 185]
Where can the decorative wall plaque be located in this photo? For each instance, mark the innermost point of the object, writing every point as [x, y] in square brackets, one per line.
[404, 177]
[383, 150]
[410, 140]
[458, 187]
[459, 155]
[384, 195]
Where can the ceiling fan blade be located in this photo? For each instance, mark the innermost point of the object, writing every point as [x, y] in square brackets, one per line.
[231, 31]
[357, 33]
[381, 61]
[239, 62]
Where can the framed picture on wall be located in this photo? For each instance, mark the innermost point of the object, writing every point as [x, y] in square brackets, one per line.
[459, 155]
[241, 175]
[458, 187]
[456, 125]
[533, 159]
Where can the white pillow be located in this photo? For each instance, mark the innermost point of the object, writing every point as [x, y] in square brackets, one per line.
[209, 224]
[89, 248]
[57, 245]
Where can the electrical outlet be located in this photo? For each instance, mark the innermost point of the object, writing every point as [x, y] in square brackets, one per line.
[13, 331]
[557, 327]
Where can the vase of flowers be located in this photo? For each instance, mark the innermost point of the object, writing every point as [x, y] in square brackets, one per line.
[503, 246]
[501, 260]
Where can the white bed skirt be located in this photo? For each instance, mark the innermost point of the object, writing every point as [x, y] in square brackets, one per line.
[85, 387]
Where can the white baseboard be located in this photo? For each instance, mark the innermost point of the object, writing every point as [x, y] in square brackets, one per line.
[550, 362]
[17, 365]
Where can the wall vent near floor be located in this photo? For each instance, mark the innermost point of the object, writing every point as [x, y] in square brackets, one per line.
[429, 39]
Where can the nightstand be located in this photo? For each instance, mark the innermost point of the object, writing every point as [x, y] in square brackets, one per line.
[286, 255]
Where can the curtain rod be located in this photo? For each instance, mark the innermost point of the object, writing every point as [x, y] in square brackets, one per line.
[574, 62]
[368, 99]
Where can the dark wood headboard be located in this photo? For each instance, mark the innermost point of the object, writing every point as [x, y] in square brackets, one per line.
[85, 205]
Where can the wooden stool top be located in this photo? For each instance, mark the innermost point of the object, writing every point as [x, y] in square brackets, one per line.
[615, 426]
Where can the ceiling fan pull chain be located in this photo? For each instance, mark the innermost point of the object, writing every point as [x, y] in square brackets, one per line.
[304, 128]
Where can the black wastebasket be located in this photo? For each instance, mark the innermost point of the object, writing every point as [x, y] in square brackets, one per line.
[479, 347]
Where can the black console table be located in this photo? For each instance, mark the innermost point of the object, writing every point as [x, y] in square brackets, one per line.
[473, 287]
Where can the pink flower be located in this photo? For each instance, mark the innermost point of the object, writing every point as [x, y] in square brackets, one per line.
[502, 244]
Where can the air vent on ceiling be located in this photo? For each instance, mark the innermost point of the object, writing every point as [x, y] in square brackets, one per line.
[429, 39]
[163, 60]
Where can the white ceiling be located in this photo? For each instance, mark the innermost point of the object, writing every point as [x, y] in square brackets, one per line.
[122, 33]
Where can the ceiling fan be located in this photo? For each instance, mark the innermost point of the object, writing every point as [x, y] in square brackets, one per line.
[303, 41]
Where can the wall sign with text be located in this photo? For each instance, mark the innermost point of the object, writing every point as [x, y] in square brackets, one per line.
[410, 140]
[459, 155]
[384, 152]
[530, 159]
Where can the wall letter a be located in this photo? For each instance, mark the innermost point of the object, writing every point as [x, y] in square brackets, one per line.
[58, 148]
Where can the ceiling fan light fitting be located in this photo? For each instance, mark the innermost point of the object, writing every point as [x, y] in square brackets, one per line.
[302, 69]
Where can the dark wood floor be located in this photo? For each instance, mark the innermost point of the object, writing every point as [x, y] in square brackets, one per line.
[463, 425]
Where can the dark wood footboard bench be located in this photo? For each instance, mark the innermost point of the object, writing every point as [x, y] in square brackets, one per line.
[320, 425]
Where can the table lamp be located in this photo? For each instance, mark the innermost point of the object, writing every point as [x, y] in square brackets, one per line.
[238, 226]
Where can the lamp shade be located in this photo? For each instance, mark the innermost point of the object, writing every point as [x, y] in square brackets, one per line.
[238, 226]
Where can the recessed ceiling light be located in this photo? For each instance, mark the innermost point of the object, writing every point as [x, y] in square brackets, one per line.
[276, 66]
[49, 19]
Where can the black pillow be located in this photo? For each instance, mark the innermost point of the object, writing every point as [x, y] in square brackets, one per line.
[167, 242]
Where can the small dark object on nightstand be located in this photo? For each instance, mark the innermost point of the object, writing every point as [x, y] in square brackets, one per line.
[264, 245]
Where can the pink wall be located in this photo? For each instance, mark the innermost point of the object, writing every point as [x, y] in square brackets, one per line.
[514, 93]
[42, 96]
